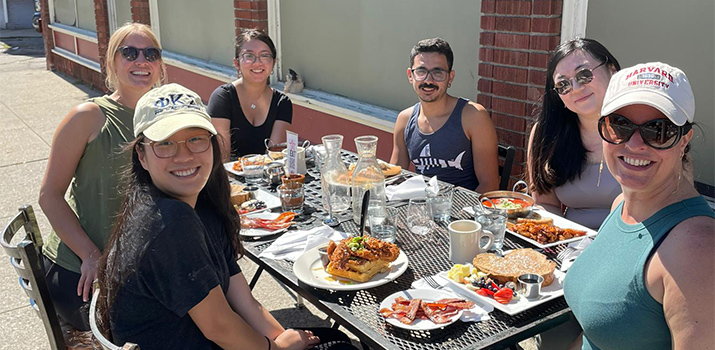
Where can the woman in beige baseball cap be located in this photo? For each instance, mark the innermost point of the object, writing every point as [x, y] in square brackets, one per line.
[169, 277]
[645, 281]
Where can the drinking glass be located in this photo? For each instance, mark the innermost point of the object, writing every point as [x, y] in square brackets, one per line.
[292, 198]
[494, 221]
[418, 218]
[253, 167]
[441, 203]
[382, 223]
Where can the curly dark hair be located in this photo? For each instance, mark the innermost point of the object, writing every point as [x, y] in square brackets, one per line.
[433, 45]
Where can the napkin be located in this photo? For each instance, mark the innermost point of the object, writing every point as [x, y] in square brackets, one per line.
[432, 188]
[578, 248]
[413, 187]
[293, 244]
[479, 312]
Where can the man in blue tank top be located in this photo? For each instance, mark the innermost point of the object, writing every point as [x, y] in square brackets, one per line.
[442, 135]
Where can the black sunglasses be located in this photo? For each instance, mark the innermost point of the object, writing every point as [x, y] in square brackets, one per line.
[583, 77]
[131, 53]
[659, 133]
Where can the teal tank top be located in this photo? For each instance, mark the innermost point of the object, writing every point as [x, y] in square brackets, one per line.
[605, 287]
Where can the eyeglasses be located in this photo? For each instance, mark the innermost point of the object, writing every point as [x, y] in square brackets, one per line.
[131, 53]
[251, 58]
[168, 148]
[438, 74]
[659, 133]
[583, 77]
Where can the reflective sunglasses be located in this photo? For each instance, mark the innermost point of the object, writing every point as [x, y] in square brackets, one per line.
[438, 74]
[168, 148]
[658, 133]
[251, 58]
[583, 77]
[131, 53]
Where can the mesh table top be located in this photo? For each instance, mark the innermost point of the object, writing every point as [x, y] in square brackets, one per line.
[358, 310]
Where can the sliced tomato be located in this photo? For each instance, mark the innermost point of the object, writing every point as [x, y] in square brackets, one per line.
[504, 295]
[482, 292]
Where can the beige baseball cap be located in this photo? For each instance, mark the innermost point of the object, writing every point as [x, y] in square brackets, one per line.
[655, 84]
[163, 111]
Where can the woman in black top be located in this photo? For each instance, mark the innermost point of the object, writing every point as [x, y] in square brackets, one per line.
[248, 109]
[169, 277]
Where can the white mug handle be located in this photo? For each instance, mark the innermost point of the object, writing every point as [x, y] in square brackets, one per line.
[491, 239]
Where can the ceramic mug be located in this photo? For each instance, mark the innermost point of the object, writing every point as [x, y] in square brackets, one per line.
[465, 241]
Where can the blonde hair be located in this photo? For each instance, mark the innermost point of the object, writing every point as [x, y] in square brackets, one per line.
[116, 41]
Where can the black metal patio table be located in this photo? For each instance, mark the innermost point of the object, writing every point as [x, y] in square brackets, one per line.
[358, 310]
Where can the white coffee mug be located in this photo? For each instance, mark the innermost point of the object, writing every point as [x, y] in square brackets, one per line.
[301, 160]
[464, 241]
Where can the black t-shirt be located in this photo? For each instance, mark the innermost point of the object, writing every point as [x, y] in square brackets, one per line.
[246, 138]
[176, 266]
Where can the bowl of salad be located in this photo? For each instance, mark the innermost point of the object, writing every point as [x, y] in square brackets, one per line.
[517, 204]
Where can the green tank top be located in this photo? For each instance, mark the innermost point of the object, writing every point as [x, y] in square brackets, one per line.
[94, 195]
[605, 287]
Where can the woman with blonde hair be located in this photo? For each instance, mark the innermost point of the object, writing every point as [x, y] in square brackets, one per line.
[85, 156]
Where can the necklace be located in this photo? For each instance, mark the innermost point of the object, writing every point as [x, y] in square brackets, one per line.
[253, 106]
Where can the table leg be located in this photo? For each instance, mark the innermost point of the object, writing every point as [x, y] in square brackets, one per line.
[254, 280]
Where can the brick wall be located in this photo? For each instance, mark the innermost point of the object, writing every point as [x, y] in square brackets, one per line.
[140, 11]
[101, 18]
[517, 37]
[47, 37]
[250, 14]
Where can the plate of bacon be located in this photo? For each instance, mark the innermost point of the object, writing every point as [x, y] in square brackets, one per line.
[423, 309]
[265, 223]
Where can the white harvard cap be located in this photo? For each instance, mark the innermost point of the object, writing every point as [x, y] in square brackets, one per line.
[163, 111]
[654, 84]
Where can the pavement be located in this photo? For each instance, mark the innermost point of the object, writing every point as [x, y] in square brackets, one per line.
[33, 101]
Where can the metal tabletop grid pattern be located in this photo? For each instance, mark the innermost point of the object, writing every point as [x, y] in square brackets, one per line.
[425, 259]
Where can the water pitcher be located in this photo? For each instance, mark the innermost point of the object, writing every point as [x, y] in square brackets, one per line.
[367, 175]
[334, 176]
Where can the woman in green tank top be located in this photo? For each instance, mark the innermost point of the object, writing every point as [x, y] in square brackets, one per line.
[86, 156]
[646, 280]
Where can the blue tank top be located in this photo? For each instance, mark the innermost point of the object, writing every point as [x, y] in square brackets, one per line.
[446, 153]
[605, 287]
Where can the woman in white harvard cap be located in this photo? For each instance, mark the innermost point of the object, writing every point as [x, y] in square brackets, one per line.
[646, 281]
[169, 277]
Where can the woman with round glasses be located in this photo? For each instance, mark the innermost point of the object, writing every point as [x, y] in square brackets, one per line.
[646, 280]
[564, 160]
[247, 111]
[169, 277]
[85, 156]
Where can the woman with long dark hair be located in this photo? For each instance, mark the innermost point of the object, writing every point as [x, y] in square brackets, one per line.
[247, 111]
[169, 277]
[565, 159]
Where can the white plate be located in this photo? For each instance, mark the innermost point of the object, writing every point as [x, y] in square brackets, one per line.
[229, 167]
[426, 295]
[552, 291]
[261, 232]
[310, 271]
[560, 222]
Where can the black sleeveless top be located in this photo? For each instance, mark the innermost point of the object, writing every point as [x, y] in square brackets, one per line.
[246, 138]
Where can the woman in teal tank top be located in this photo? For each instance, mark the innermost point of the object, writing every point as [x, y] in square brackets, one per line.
[646, 281]
[85, 156]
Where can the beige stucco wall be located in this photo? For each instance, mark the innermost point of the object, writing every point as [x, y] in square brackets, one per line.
[680, 33]
[360, 49]
[199, 29]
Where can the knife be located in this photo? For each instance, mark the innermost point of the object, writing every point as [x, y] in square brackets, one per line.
[363, 211]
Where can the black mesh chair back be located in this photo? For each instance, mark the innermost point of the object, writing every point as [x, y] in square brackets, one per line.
[506, 152]
[25, 258]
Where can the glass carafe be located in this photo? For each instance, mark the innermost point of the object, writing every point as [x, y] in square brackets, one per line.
[367, 175]
[334, 176]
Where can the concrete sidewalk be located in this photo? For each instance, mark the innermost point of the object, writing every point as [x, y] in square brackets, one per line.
[32, 103]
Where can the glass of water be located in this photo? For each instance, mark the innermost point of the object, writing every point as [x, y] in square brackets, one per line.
[253, 167]
[494, 221]
[418, 218]
[441, 203]
[382, 223]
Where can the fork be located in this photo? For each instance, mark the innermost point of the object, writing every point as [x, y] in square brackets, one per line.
[432, 283]
[566, 253]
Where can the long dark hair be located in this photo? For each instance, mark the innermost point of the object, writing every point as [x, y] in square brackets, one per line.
[138, 216]
[557, 152]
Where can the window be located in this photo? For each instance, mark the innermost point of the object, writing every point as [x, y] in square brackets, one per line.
[75, 13]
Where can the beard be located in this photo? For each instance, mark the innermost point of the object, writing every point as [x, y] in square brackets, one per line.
[429, 98]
